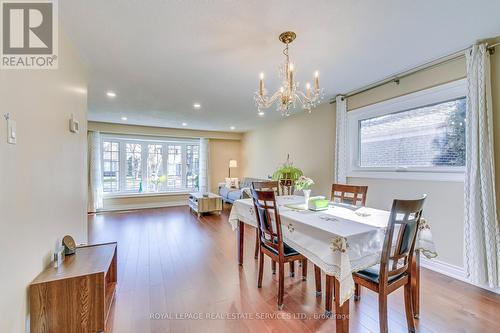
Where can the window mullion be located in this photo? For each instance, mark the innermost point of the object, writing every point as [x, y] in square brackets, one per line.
[184, 166]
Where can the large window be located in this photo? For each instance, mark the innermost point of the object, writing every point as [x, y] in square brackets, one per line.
[137, 165]
[420, 133]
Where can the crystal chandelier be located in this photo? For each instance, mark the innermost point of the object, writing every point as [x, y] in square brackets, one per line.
[288, 94]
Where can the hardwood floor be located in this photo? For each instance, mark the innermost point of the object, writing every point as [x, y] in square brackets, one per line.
[174, 269]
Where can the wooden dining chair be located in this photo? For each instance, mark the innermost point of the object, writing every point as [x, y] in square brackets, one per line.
[264, 185]
[287, 186]
[349, 194]
[267, 185]
[394, 270]
[271, 239]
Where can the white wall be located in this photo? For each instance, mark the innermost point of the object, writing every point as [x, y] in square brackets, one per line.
[308, 138]
[43, 185]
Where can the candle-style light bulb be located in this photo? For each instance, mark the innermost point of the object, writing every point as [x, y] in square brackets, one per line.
[316, 81]
[290, 76]
[261, 84]
[308, 90]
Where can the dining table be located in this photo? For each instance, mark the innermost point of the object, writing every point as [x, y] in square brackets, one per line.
[340, 240]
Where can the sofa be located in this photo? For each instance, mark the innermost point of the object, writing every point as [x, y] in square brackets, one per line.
[229, 195]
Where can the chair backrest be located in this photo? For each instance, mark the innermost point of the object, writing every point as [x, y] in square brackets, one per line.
[349, 194]
[268, 219]
[267, 185]
[287, 187]
[403, 228]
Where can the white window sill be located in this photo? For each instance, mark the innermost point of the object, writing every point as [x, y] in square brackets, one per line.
[147, 194]
[409, 175]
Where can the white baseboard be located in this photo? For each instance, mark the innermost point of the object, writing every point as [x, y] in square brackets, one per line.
[444, 268]
[112, 208]
[453, 271]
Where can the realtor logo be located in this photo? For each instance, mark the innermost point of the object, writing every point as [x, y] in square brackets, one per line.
[29, 34]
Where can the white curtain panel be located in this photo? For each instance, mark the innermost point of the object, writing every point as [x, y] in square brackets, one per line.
[340, 172]
[482, 235]
[95, 197]
[204, 157]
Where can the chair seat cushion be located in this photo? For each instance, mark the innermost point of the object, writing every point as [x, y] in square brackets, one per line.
[288, 251]
[372, 274]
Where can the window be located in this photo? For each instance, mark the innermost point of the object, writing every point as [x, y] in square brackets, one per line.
[155, 176]
[133, 176]
[174, 166]
[139, 165]
[418, 133]
[111, 166]
[192, 165]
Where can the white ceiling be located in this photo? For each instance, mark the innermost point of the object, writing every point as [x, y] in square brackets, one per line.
[162, 56]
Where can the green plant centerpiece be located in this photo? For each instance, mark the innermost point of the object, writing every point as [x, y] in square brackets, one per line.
[287, 172]
[304, 183]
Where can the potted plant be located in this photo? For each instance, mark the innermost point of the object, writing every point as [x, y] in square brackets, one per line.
[287, 172]
[304, 183]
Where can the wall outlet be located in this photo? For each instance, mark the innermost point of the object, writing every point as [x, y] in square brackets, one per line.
[11, 132]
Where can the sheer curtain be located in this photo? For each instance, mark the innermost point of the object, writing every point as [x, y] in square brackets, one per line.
[95, 197]
[340, 172]
[482, 235]
[204, 183]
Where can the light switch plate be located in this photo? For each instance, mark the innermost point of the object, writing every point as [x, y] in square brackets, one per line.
[11, 132]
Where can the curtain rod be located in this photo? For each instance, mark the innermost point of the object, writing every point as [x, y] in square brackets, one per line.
[428, 65]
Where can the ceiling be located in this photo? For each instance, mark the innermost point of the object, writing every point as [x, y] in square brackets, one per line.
[161, 56]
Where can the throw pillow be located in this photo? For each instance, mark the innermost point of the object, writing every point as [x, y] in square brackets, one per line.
[232, 182]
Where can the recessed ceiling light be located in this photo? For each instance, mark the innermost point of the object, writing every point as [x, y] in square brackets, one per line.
[261, 113]
[232, 128]
[111, 94]
[197, 105]
[184, 124]
[124, 118]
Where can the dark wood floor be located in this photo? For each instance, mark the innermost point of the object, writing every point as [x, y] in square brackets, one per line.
[174, 269]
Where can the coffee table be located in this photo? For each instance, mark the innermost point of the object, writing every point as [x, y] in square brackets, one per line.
[205, 203]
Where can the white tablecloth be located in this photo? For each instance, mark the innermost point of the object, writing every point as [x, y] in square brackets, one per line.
[341, 240]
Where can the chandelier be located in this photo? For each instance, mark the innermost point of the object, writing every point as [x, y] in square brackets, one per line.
[288, 95]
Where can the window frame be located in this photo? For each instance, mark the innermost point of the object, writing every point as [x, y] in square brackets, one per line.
[435, 95]
[145, 141]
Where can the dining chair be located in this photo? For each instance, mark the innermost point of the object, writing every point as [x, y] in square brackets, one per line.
[349, 194]
[267, 185]
[271, 240]
[394, 270]
[264, 185]
[287, 186]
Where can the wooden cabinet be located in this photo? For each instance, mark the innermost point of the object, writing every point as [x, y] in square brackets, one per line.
[77, 296]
